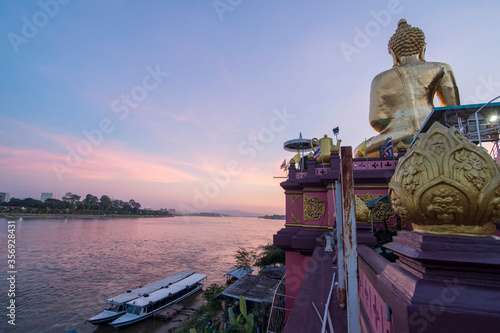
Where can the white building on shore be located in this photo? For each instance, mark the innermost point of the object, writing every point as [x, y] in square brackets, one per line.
[47, 195]
[4, 197]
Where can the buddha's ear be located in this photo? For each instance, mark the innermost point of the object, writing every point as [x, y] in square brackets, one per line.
[394, 58]
[422, 53]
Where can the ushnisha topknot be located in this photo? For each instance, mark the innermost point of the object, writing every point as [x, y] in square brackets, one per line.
[407, 40]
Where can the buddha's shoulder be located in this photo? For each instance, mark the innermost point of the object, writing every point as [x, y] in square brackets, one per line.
[419, 66]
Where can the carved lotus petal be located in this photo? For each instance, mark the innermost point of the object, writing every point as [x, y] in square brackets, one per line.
[446, 184]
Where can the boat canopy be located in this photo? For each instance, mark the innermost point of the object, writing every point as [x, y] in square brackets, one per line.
[254, 288]
[238, 273]
[133, 294]
[164, 292]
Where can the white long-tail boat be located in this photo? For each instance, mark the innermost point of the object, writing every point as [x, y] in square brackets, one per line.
[147, 305]
[115, 306]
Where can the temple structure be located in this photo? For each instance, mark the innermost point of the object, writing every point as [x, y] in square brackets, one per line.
[414, 246]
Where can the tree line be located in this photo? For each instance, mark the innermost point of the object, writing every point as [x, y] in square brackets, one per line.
[70, 203]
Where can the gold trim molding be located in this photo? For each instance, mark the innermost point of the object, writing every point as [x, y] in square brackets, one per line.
[295, 220]
[307, 226]
[294, 198]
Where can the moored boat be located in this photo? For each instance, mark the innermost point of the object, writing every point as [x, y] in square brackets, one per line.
[147, 305]
[115, 306]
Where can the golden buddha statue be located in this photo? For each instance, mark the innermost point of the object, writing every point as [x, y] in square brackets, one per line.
[403, 97]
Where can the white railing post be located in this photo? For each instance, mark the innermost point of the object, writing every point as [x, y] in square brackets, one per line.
[340, 245]
[350, 241]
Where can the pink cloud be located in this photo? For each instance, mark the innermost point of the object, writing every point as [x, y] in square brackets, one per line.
[104, 163]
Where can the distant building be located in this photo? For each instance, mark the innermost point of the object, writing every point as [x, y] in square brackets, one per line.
[4, 197]
[47, 195]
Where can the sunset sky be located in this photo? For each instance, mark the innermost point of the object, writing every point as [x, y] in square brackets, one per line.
[186, 104]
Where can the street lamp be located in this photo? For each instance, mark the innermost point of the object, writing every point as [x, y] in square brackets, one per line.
[477, 120]
[494, 117]
[336, 133]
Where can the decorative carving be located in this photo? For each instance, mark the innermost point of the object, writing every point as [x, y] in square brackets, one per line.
[401, 146]
[413, 173]
[368, 196]
[437, 144]
[295, 220]
[470, 167]
[313, 208]
[445, 205]
[362, 211]
[383, 212]
[446, 184]
[294, 198]
[401, 210]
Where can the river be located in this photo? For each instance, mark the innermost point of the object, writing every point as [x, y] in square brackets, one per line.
[65, 269]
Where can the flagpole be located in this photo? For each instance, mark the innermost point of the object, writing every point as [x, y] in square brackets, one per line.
[366, 155]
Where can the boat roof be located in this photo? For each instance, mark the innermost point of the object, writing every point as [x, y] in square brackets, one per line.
[133, 294]
[239, 272]
[258, 289]
[172, 289]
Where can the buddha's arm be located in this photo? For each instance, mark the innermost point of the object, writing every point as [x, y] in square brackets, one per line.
[381, 102]
[447, 90]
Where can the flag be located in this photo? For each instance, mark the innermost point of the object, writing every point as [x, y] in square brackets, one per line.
[388, 147]
[317, 152]
[283, 165]
[362, 149]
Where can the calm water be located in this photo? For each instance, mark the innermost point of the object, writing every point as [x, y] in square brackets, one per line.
[67, 268]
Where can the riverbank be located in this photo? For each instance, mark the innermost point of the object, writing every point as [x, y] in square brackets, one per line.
[75, 216]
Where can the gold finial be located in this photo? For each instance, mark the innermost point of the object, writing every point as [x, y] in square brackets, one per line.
[401, 146]
[310, 156]
[362, 211]
[292, 162]
[407, 40]
[336, 148]
[447, 185]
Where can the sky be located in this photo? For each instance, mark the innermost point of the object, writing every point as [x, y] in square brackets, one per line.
[186, 104]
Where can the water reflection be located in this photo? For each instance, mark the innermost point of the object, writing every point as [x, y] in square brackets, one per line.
[67, 268]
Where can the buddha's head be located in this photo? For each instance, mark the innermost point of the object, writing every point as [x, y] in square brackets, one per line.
[407, 43]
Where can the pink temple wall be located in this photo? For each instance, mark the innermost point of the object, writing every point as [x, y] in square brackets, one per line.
[295, 269]
[374, 306]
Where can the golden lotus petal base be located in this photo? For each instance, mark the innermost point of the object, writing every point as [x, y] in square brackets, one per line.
[445, 184]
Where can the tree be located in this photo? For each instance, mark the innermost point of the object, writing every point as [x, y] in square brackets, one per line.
[126, 207]
[56, 204]
[244, 258]
[117, 205]
[71, 198]
[270, 255]
[28, 202]
[90, 202]
[210, 293]
[106, 203]
[135, 205]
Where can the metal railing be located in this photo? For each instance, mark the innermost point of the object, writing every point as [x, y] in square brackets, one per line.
[276, 323]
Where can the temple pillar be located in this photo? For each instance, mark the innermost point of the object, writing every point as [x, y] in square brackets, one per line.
[451, 283]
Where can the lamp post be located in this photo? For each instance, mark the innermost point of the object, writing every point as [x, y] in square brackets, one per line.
[336, 133]
[477, 120]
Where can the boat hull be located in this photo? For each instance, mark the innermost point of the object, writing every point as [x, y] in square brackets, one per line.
[105, 317]
[128, 319]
